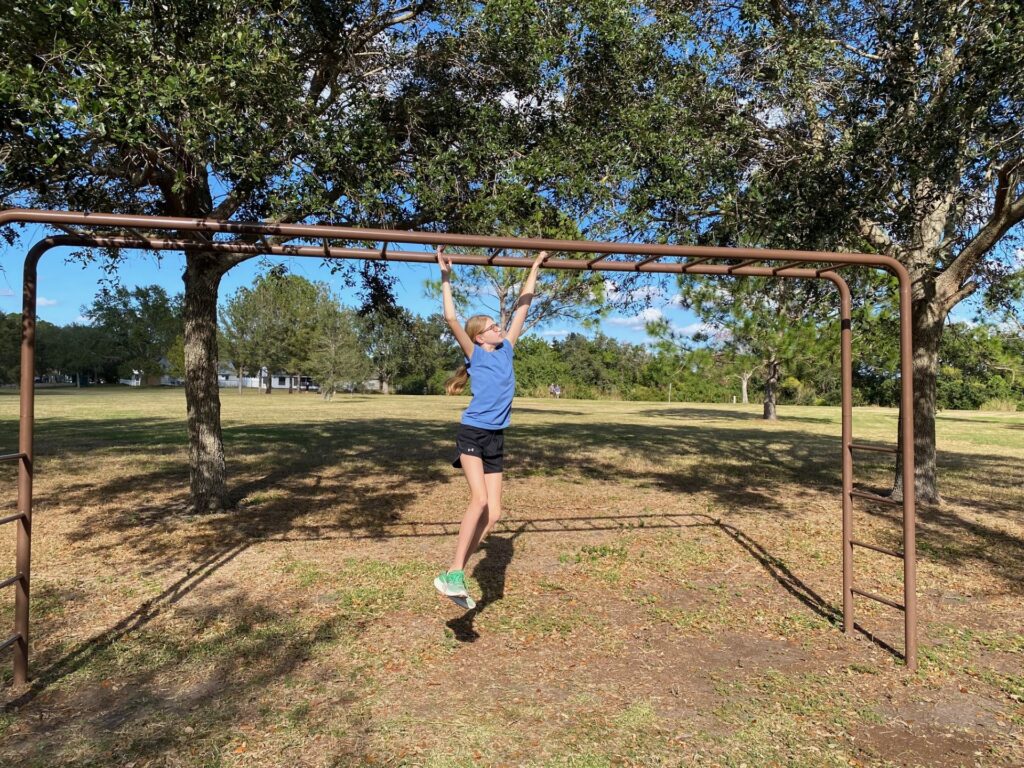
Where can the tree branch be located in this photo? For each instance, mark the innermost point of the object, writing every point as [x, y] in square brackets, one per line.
[1005, 214]
[873, 232]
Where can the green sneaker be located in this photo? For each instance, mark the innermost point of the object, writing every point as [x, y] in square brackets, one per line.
[452, 584]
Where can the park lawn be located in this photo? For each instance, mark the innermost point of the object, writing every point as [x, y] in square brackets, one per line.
[663, 590]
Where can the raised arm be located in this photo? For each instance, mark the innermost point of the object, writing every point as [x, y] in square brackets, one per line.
[525, 297]
[449, 304]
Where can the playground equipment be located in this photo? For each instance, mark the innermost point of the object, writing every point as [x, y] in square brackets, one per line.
[605, 256]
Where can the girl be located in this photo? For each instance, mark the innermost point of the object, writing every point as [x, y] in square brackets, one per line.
[480, 441]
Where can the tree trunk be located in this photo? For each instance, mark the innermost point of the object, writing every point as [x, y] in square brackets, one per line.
[927, 325]
[770, 384]
[241, 375]
[744, 381]
[207, 472]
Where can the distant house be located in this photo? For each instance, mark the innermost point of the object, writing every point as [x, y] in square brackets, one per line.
[228, 378]
[140, 379]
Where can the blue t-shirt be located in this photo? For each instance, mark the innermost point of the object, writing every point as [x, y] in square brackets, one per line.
[494, 384]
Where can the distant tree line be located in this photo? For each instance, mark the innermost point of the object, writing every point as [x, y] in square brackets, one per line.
[752, 348]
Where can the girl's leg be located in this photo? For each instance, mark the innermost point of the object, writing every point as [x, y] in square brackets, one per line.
[492, 513]
[473, 466]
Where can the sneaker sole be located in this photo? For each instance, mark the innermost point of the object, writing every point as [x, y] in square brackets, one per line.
[463, 601]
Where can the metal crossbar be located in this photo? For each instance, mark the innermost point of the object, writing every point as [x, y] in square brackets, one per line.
[878, 598]
[12, 580]
[648, 260]
[877, 548]
[878, 448]
[12, 518]
[875, 497]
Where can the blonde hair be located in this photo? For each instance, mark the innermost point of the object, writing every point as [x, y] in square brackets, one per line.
[474, 327]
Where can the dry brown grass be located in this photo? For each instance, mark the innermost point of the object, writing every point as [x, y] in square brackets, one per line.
[663, 591]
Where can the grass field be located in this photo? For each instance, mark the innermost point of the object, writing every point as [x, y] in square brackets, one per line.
[664, 590]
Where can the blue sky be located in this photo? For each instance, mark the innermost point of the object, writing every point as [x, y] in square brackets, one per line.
[66, 286]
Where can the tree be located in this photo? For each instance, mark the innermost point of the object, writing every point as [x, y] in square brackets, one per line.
[398, 115]
[385, 335]
[757, 319]
[78, 350]
[335, 357]
[271, 325]
[890, 125]
[432, 356]
[237, 335]
[140, 325]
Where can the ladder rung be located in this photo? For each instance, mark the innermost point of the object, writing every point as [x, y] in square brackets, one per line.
[877, 548]
[879, 598]
[11, 580]
[648, 260]
[12, 518]
[13, 456]
[874, 497]
[878, 448]
[10, 640]
[831, 268]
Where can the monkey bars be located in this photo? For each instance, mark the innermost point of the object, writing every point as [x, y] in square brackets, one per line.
[187, 234]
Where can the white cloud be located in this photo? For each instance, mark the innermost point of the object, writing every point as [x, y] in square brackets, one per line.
[6, 292]
[513, 102]
[42, 301]
[638, 322]
[693, 329]
[556, 334]
[643, 293]
[83, 320]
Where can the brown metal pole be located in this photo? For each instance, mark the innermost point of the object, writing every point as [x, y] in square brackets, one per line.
[26, 424]
[909, 489]
[846, 364]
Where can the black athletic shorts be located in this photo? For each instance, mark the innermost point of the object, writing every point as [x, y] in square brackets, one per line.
[488, 444]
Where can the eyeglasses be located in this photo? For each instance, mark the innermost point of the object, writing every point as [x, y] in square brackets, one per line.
[492, 327]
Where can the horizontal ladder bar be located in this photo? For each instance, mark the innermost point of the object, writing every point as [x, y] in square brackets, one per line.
[830, 268]
[879, 598]
[878, 448]
[790, 265]
[13, 456]
[744, 263]
[877, 548]
[648, 260]
[12, 580]
[10, 641]
[694, 262]
[874, 497]
[12, 518]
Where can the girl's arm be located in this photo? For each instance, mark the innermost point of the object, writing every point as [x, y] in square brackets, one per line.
[525, 297]
[449, 304]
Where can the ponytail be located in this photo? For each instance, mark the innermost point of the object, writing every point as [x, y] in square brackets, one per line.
[457, 382]
[474, 327]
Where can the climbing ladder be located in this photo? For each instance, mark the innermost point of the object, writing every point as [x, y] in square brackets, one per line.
[22, 518]
[909, 604]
